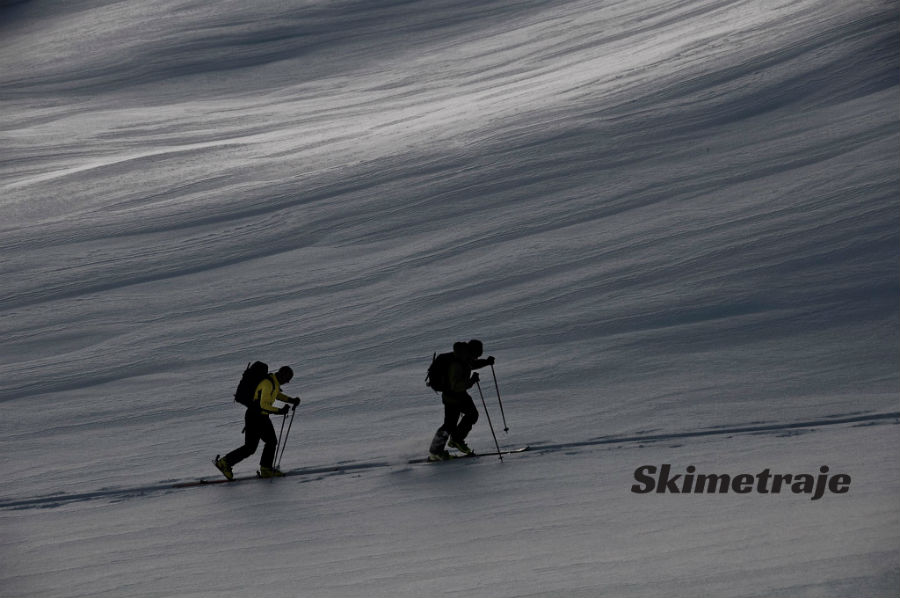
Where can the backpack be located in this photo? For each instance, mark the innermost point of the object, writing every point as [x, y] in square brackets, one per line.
[255, 373]
[439, 372]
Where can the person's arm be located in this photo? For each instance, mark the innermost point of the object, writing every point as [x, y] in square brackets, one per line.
[480, 363]
[287, 399]
[266, 394]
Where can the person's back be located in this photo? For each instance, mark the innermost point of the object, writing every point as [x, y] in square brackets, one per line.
[459, 371]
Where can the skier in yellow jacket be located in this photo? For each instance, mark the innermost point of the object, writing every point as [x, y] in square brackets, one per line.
[258, 426]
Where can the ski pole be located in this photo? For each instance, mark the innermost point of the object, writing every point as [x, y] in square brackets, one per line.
[284, 445]
[497, 386]
[497, 444]
[278, 442]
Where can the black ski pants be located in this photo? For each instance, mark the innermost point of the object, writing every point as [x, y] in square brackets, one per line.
[456, 404]
[257, 426]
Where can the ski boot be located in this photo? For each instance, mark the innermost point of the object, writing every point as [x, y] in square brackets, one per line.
[223, 466]
[461, 446]
[439, 456]
[270, 472]
[436, 451]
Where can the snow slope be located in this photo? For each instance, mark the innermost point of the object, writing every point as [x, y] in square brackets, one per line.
[673, 223]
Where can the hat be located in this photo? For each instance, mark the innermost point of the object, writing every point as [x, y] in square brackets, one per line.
[285, 374]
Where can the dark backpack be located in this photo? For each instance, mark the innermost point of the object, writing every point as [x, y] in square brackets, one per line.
[255, 373]
[438, 378]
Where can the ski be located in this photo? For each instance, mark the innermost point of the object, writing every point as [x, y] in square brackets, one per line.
[205, 482]
[337, 469]
[454, 457]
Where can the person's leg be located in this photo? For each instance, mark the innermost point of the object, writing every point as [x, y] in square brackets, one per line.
[469, 417]
[451, 417]
[251, 439]
[267, 435]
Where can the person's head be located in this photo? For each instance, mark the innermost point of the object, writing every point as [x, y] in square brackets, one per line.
[476, 348]
[284, 374]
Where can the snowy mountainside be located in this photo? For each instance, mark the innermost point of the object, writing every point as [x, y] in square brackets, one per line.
[663, 218]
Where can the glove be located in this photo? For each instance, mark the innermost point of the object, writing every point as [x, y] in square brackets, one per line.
[490, 360]
[295, 402]
[475, 378]
[284, 410]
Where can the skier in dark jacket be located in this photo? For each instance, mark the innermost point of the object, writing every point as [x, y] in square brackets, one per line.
[258, 426]
[457, 401]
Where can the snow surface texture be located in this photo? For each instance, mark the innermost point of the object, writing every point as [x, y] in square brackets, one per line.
[673, 223]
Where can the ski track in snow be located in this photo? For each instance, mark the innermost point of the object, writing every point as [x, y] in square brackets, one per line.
[322, 471]
[673, 223]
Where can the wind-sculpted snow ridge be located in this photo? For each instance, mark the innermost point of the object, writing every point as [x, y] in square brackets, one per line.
[553, 165]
